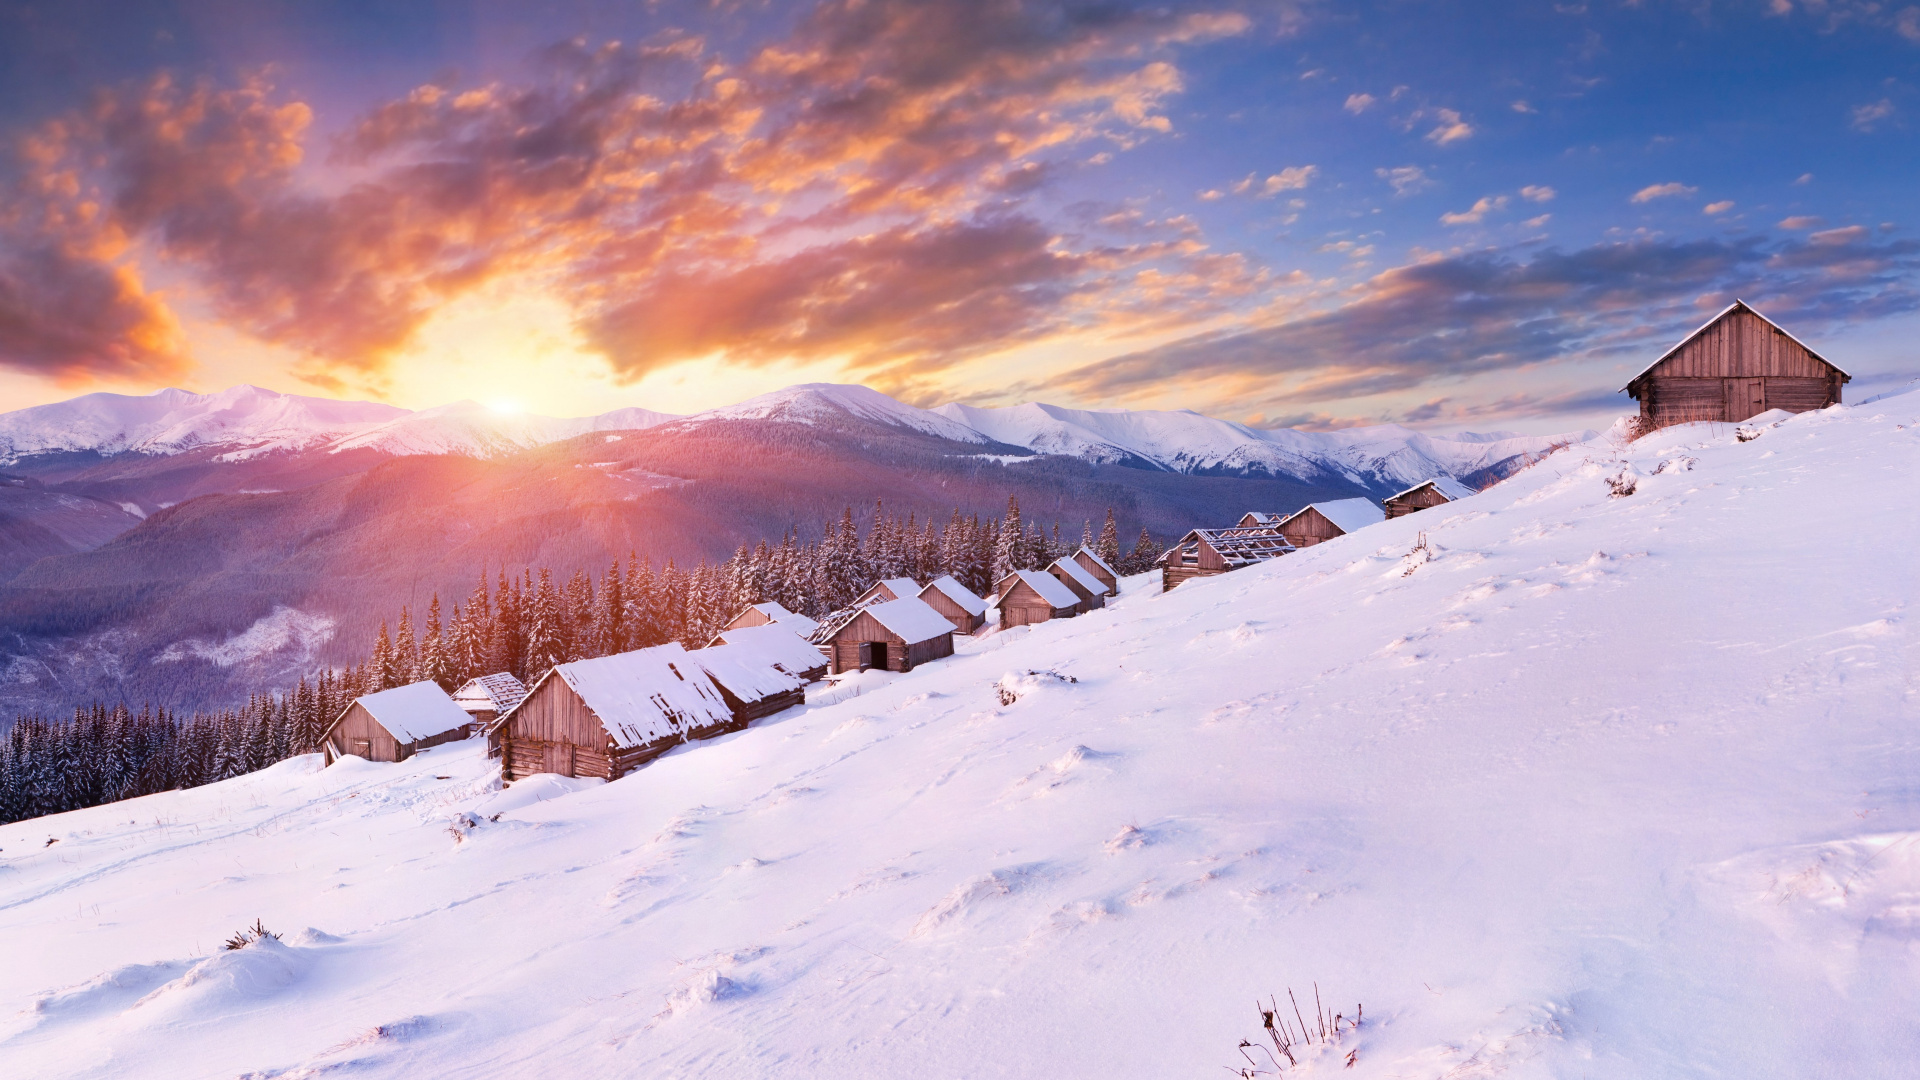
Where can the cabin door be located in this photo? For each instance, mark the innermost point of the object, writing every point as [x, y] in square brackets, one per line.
[1745, 398]
[363, 748]
[559, 758]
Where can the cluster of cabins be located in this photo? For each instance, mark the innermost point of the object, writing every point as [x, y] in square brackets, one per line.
[1258, 536]
[606, 716]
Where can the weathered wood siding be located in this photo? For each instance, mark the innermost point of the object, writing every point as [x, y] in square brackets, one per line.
[1309, 528]
[746, 712]
[867, 630]
[1021, 606]
[752, 616]
[966, 622]
[358, 734]
[1421, 499]
[1203, 561]
[1738, 367]
[1089, 600]
[1099, 572]
[554, 731]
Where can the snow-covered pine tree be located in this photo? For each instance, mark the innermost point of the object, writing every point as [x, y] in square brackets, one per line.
[1145, 551]
[435, 664]
[406, 651]
[1007, 555]
[578, 611]
[380, 663]
[546, 638]
[610, 615]
[1108, 547]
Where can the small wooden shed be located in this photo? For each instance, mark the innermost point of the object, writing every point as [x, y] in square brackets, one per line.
[395, 724]
[1092, 563]
[1738, 365]
[1258, 519]
[488, 696]
[769, 613]
[1025, 597]
[607, 716]
[897, 635]
[793, 655]
[895, 588]
[1091, 593]
[1206, 552]
[751, 682]
[1317, 523]
[962, 607]
[1425, 495]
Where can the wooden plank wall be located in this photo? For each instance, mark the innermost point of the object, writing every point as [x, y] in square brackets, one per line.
[1310, 528]
[358, 724]
[963, 620]
[1742, 344]
[1171, 576]
[1099, 574]
[1423, 499]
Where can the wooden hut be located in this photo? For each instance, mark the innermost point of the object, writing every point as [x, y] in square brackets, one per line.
[1425, 495]
[395, 724]
[607, 716]
[1092, 563]
[965, 610]
[790, 654]
[1025, 597]
[751, 681]
[897, 635]
[897, 588]
[1738, 365]
[771, 613]
[1317, 523]
[1091, 593]
[1258, 519]
[1206, 552]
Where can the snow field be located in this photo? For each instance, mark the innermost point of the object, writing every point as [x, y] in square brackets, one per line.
[1585, 786]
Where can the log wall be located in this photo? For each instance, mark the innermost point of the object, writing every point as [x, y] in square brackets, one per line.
[1309, 528]
[1424, 499]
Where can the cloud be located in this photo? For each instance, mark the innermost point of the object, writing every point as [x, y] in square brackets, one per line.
[1481, 208]
[1451, 128]
[1831, 237]
[1536, 222]
[1448, 317]
[1406, 180]
[1359, 103]
[1294, 178]
[1720, 207]
[69, 316]
[1523, 108]
[1804, 179]
[1804, 221]
[1866, 117]
[618, 175]
[1662, 191]
[1538, 193]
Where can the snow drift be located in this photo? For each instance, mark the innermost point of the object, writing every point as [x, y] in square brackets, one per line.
[1587, 785]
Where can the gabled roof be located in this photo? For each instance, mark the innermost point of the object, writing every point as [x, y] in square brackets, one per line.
[1445, 485]
[746, 670]
[1737, 305]
[912, 618]
[1260, 517]
[777, 613]
[958, 593]
[1048, 586]
[1095, 556]
[643, 695]
[416, 711]
[1079, 575]
[1237, 546]
[1346, 514]
[496, 693]
[900, 587]
[787, 652]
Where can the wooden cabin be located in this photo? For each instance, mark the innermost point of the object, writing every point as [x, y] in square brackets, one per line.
[751, 682]
[790, 654]
[965, 610]
[1206, 552]
[1738, 365]
[1084, 585]
[1317, 523]
[896, 588]
[1092, 563]
[1425, 495]
[770, 613]
[1025, 597]
[896, 635]
[486, 698]
[607, 716]
[1258, 519]
[394, 725]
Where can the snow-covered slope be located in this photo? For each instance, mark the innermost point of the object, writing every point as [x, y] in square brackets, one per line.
[472, 429]
[1587, 786]
[811, 403]
[1187, 442]
[170, 421]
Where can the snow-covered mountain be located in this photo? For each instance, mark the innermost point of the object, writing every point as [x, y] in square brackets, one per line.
[247, 422]
[1560, 793]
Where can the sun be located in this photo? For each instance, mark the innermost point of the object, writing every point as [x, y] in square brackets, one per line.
[506, 405]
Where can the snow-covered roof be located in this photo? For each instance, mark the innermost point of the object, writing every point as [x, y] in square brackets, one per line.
[958, 593]
[912, 618]
[1079, 575]
[1048, 586]
[1346, 514]
[1260, 517]
[795, 623]
[1095, 556]
[1445, 485]
[772, 609]
[748, 671]
[1237, 547]
[790, 653]
[496, 693]
[1737, 305]
[646, 694]
[415, 711]
[900, 587]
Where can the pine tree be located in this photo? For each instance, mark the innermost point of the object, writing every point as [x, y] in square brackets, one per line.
[1007, 555]
[1109, 545]
[435, 663]
[1145, 551]
[380, 665]
[609, 634]
[406, 651]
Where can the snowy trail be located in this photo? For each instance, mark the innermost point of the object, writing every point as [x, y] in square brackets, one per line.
[1588, 786]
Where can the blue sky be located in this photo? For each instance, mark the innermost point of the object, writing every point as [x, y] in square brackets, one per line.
[1446, 214]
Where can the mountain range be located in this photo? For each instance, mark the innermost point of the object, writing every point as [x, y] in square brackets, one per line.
[180, 547]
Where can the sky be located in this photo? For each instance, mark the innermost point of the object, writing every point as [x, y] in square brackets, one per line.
[1474, 215]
